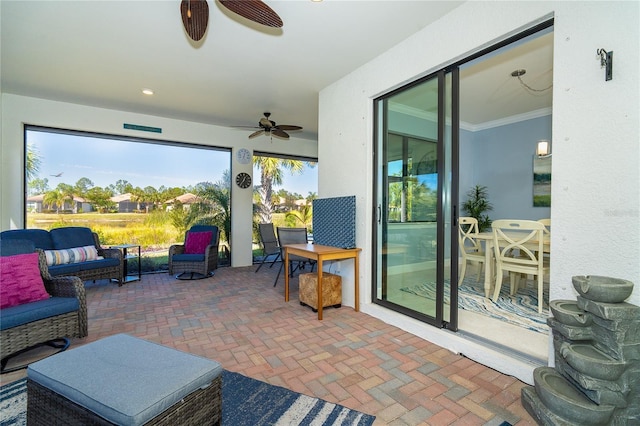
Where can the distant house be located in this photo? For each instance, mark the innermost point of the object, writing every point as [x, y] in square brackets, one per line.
[185, 199]
[286, 205]
[35, 204]
[126, 205]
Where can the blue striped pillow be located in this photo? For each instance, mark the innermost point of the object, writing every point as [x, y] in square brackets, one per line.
[72, 255]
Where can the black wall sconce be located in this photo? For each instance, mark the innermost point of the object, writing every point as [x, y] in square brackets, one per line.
[606, 62]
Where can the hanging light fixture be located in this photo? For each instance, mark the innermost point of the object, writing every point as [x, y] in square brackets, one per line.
[519, 73]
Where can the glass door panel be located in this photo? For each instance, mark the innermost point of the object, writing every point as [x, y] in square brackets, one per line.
[409, 237]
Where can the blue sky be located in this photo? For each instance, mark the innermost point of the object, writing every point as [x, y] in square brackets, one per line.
[104, 161]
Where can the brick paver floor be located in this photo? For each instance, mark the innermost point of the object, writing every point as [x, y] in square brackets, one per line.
[239, 319]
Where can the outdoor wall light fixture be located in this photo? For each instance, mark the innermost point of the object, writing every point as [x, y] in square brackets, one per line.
[606, 62]
[543, 148]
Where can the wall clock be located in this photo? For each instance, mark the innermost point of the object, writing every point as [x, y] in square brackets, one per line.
[243, 180]
[244, 156]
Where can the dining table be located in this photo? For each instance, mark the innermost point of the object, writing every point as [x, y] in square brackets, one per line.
[489, 256]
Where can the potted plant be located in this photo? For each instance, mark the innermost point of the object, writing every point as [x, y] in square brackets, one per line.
[476, 205]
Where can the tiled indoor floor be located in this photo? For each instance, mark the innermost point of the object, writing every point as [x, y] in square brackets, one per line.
[239, 319]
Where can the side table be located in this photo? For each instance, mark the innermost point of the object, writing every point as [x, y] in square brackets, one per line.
[126, 255]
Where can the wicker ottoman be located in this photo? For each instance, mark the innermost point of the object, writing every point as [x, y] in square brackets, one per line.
[331, 290]
[124, 380]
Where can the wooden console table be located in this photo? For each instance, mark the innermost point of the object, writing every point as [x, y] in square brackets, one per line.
[321, 253]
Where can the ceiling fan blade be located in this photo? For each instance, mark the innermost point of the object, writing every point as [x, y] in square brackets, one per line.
[279, 133]
[195, 16]
[254, 134]
[288, 127]
[254, 10]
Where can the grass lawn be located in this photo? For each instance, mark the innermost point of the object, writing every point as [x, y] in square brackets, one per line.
[152, 231]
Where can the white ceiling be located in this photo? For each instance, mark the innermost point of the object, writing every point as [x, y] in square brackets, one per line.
[103, 53]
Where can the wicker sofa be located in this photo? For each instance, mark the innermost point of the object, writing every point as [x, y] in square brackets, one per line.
[57, 242]
[62, 315]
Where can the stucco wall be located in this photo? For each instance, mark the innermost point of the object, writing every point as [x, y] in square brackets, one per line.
[19, 110]
[596, 161]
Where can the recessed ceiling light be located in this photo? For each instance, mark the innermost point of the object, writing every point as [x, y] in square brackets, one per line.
[147, 92]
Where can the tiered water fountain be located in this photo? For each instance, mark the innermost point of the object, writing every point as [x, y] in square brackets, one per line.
[596, 340]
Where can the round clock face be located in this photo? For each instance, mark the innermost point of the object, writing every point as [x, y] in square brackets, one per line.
[243, 180]
[244, 156]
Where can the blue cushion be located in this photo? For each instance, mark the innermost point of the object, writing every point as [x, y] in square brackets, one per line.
[188, 258]
[206, 228]
[65, 269]
[100, 263]
[29, 312]
[71, 236]
[123, 379]
[40, 237]
[13, 247]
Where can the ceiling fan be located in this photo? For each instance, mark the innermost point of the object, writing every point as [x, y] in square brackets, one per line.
[269, 127]
[195, 14]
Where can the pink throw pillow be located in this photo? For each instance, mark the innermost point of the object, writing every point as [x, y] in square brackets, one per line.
[197, 242]
[21, 280]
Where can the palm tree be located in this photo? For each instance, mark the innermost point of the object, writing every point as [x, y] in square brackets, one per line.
[151, 196]
[271, 170]
[137, 196]
[68, 194]
[55, 199]
[33, 162]
[304, 215]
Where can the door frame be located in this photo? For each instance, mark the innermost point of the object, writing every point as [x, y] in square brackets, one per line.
[377, 215]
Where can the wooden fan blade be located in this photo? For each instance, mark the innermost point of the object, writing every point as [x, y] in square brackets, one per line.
[288, 127]
[195, 16]
[254, 134]
[279, 133]
[254, 10]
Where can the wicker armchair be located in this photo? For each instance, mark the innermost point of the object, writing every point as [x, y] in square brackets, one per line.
[195, 265]
[71, 324]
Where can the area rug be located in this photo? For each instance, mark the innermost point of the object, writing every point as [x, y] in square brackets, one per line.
[520, 309]
[245, 402]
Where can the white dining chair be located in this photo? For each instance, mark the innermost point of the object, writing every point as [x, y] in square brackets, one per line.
[519, 249]
[470, 248]
[547, 230]
[547, 224]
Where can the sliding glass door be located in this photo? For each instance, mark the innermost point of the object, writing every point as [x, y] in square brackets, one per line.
[414, 189]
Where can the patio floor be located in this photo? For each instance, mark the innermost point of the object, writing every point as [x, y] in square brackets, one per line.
[239, 319]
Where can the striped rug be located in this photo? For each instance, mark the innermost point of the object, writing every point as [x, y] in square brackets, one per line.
[13, 403]
[245, 402]
[259, 403]
[520, 309]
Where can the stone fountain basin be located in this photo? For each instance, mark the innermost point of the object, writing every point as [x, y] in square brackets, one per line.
[592, 362]
[567, 312]
[561, 398]
[602, 289]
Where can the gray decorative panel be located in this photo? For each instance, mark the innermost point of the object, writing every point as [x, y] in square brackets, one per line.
[334, 221]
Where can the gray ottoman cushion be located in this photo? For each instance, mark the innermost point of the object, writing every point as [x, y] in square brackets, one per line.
[123, 379]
